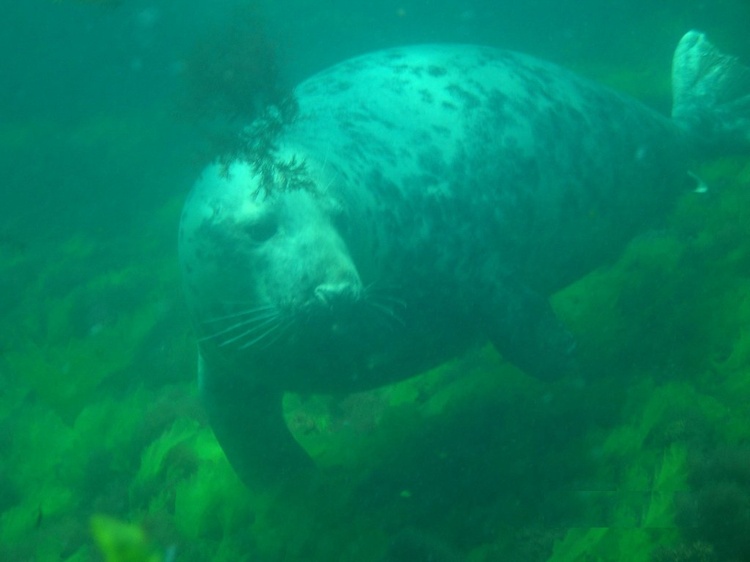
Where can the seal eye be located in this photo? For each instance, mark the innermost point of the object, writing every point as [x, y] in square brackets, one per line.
[262, 228]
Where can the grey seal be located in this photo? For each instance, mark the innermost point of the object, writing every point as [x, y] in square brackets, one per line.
[417, 201]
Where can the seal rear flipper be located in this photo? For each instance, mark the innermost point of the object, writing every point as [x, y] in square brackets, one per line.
[248, 422]
[523, 327]
[711, 95]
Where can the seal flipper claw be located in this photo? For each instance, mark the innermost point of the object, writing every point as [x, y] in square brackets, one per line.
[248, 422]
[523, 327]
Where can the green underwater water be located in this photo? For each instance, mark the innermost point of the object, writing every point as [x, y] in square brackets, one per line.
[105, 452]
[100, 416]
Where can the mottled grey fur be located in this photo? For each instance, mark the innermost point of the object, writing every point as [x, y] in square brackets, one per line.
[421, 200]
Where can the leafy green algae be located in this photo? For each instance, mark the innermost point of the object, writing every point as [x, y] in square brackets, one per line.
[684, 291]
[467, 454]
[667, 401]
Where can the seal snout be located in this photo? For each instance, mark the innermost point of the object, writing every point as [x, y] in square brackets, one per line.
[336, 295]
[336, 305]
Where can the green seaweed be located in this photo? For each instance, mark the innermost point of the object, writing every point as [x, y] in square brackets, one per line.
[121, 542]
[99, 413]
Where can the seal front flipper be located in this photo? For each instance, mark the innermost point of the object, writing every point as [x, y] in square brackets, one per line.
[247, 420]
[522, 326]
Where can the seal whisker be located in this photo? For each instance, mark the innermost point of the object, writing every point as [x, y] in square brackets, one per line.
[389, 312]
[367, 288]
[247, 312]
[266, 306]
[255, 340]
[329, 184]
[256, 320]
[388, 305]
[373, 291]
[252, 330]
[280, 334]
[383, 318]
[395, 301]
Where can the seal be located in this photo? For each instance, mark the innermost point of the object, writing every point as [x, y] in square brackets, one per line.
[418, 201]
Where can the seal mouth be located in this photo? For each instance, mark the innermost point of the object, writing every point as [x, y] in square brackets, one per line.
[333, 296]
[334, 310]
[346, 304]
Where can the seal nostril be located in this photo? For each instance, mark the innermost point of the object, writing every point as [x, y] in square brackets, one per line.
[323, 295]
[335, 294]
